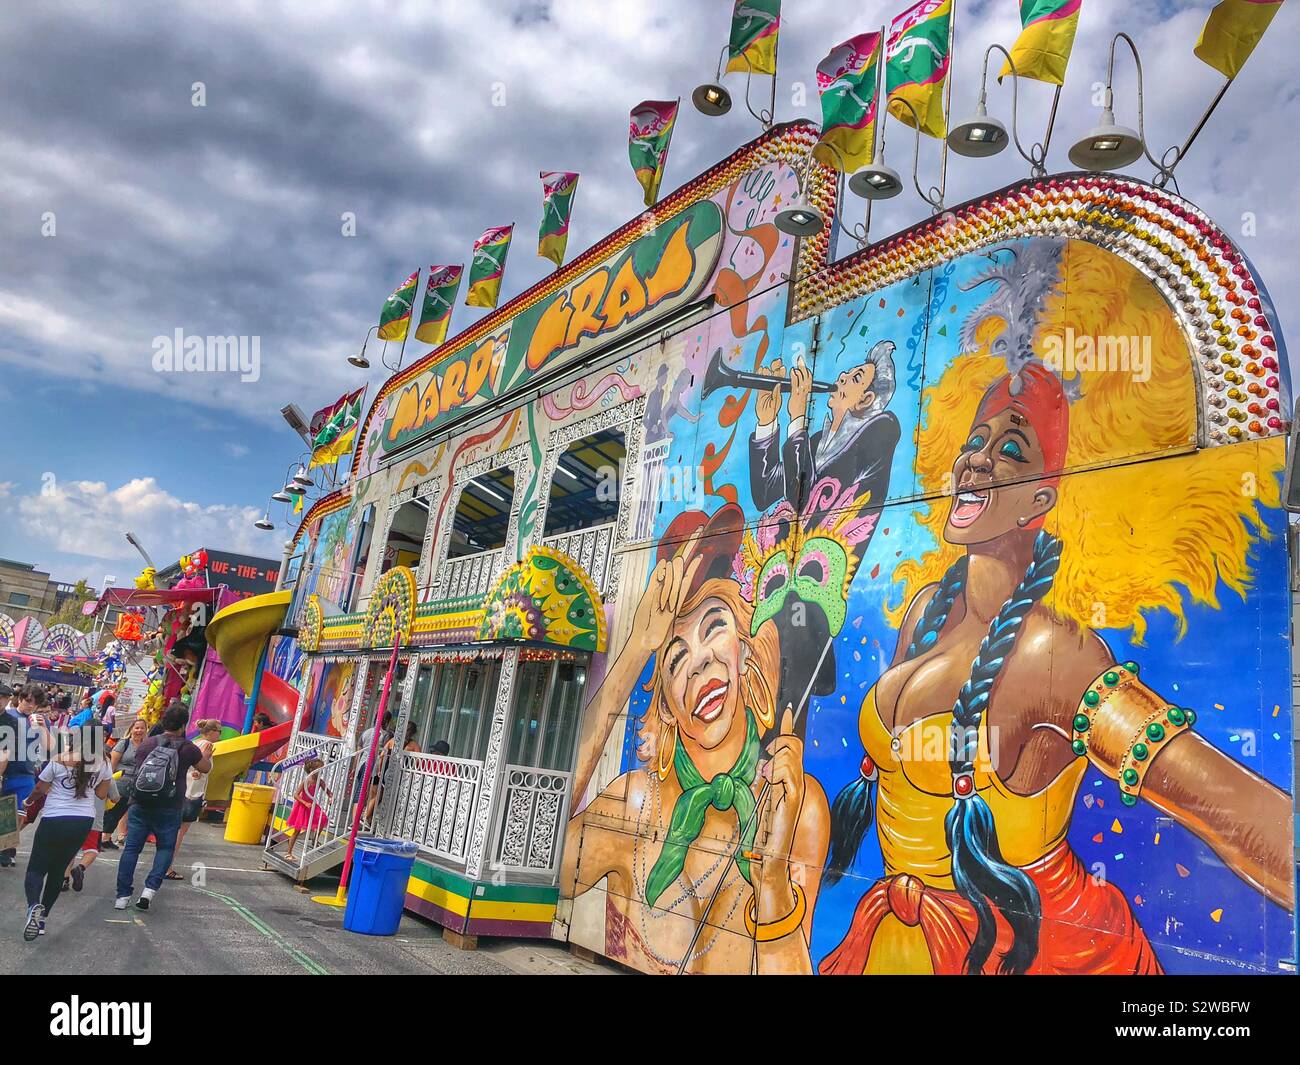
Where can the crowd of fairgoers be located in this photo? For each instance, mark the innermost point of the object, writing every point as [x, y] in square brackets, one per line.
[79, 786]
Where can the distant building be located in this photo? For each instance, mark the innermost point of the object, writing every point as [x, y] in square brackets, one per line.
[24, 589]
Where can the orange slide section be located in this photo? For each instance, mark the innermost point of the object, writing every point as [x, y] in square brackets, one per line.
[239, 634]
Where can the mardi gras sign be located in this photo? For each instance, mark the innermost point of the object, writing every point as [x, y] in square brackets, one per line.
[660, 272]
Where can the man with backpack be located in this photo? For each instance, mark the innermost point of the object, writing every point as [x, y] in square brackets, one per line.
[163, 763]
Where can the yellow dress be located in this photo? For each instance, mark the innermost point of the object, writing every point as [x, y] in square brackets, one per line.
[913, 798]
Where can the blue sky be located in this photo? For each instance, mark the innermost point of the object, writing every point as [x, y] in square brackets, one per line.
[428, 123]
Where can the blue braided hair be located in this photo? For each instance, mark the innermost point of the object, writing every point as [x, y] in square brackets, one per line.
[851, 812]
[980, 873]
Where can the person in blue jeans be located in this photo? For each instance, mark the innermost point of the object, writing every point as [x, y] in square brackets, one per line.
[157, 814]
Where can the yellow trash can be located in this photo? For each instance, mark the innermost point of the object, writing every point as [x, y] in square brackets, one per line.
[250, 810]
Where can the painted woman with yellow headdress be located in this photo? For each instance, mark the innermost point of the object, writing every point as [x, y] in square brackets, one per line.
[1000, 694]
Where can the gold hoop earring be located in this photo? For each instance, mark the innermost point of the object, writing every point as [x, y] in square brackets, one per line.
[671, 748]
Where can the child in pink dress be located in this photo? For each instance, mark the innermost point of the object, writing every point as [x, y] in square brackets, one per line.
[307, 813]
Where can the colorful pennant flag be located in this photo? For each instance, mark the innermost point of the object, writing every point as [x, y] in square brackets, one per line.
[1232, 31]
[488, 265]
[754, 26]
[395, 318]
[847, 81]
[649, 134]
[439, 295]
[334, 428]
[558, 187]
[1042, 51]
[917, 63]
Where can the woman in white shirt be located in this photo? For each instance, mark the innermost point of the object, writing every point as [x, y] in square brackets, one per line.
[70, 783]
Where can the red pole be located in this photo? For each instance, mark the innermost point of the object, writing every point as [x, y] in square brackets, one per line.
[370, 764]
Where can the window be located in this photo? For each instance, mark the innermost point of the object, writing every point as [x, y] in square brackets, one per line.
[453, 702]
[361, 556]
[19, 599]
[544, 724]
[584, 490]
[406, 535]
[482, 514]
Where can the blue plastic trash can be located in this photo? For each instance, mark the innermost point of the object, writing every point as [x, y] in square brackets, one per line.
[380, 870]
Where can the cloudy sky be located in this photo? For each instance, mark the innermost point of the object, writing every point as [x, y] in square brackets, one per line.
[128, 212]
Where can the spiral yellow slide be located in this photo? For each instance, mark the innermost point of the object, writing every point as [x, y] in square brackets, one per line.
[239, 634]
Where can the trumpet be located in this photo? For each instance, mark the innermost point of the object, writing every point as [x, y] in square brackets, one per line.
[720, 375]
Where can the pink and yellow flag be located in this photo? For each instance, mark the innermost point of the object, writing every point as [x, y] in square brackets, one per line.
[1042, 51]
[650, 131]
[558, 188]
[847, 81]
[1232, 31]
[488, 266]
[754, 26]
[916, 65]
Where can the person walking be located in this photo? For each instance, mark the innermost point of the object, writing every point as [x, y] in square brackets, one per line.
[208, 735]
[33, 747]
[163, 763]
[70, 783]
[124, 763]
[17, 771]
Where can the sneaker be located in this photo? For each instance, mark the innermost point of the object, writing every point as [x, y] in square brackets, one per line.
[67, 884]
[146, 896]
[108, 845]
[6, 861]
[78, 877]
[122, 902]
[35, 921]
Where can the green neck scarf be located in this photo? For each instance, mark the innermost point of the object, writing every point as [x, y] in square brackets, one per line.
[726, 791]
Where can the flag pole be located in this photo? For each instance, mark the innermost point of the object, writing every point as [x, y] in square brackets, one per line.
[1051, 122]
[340, 897]
[947, 107]
[1187, 144]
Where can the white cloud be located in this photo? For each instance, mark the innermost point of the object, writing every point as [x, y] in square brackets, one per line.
[89, 519]
[237, 450]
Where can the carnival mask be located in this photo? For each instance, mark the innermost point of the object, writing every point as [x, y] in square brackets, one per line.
[814, 569]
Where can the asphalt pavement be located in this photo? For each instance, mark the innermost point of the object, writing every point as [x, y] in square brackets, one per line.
[230, 916]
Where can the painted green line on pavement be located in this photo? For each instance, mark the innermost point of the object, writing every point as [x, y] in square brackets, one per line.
[306, 961]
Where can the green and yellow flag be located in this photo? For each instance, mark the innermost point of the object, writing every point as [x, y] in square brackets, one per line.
[1232, 31]
[439, 296]
[395, 318]
[847, 81]
[754, 26]
[649, 134]
[917, 63]
[558, 188]
[488, 265]
[1042, 51]
[334, 428]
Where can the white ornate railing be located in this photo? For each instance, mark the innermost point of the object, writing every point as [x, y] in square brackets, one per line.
[469, 574]
[591, 548]
[435, 802]
[334, 784]
[531, 817]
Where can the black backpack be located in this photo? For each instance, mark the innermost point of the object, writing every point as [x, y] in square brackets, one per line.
[156, 777]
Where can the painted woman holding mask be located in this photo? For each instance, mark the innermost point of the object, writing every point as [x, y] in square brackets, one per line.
[685, 830]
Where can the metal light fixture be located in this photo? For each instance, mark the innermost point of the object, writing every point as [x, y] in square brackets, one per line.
[1108, 145]
[302, 479]
[359, 360]
[876, 181]
[800, 219]
[294, 489]
[282, 497]
[264, 522]
[711, 99]
[980, 136]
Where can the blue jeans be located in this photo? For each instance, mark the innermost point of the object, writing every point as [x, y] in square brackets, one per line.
[162, 823]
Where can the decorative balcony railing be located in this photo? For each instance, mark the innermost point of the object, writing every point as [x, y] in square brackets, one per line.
[435, 802]
[592, 549]
[531, 818]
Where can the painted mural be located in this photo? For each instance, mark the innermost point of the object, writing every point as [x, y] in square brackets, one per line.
[909, 686]
[946, 619]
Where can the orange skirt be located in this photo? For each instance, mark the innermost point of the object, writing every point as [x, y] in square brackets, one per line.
[1087, 927]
